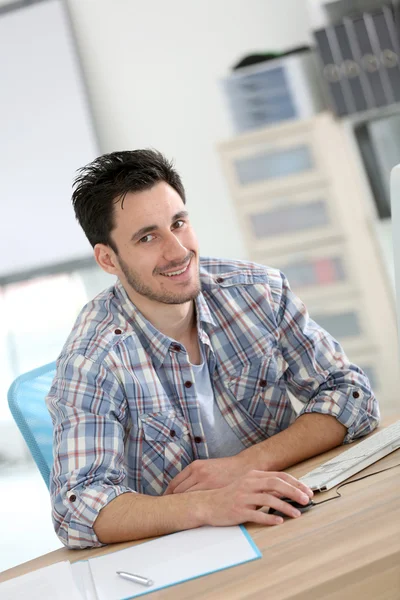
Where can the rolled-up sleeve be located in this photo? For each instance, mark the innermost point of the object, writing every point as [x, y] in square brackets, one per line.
[90, 416]
[319, 373]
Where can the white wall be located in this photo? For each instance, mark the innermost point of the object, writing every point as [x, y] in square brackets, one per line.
[152, 70]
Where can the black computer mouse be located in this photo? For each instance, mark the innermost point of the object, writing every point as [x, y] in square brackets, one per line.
[301, 507]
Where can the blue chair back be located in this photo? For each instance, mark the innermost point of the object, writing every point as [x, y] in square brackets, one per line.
[26, 399]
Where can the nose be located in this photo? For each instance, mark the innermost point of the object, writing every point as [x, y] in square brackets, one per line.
[174, 251]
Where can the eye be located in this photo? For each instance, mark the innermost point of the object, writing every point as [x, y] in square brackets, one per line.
[146, 239]
[178, 224]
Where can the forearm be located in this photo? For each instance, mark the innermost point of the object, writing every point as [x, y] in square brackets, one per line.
[309, 435]
[133, 516]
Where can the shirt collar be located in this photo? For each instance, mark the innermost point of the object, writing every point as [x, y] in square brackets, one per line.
[157, 344]
[203, 310]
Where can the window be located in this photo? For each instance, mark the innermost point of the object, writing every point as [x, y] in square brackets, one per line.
[36, 317]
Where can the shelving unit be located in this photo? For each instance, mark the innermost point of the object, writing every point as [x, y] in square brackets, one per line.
[298, 194]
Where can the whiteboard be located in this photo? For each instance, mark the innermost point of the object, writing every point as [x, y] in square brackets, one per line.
[46, 134]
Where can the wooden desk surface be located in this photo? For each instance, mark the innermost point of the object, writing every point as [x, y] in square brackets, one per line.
[347, 548]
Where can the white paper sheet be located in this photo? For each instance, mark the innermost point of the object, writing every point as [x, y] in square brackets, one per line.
[84, 580]
[167, 560]
[171, 559]
[55, 582]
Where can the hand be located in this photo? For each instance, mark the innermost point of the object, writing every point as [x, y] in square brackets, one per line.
[208, 474]
[239, 501]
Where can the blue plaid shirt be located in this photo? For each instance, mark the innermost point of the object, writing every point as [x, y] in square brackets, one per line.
[124, 407]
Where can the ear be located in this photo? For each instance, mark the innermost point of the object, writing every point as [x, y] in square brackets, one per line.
[106, 258]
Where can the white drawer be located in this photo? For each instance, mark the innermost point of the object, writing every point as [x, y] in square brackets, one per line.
[275, 157]
[283, 221]
[315, 273]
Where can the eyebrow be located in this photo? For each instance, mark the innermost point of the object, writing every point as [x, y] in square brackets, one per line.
[149, 228]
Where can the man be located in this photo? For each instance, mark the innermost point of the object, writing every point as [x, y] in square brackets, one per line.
[170, 403]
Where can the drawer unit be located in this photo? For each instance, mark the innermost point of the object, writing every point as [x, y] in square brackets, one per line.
[273, 91]
[270, 161]
[345, 320]
[316, 272]
[283, 221]
[259, 98]
[300, 203]
[254, 112]
[268, 164]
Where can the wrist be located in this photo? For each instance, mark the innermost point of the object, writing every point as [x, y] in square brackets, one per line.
[253, 458]
[202, 507]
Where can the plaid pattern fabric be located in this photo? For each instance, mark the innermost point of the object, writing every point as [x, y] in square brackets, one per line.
[126, 419]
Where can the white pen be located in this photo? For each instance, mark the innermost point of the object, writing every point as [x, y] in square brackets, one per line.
[135, 578]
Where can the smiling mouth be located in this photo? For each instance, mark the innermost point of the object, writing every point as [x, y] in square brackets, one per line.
[177, 272]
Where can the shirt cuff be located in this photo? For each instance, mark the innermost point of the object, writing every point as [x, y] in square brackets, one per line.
[83, 505]
[349, 408]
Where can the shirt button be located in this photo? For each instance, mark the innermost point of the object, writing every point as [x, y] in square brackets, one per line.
[356, 395]
[117, 331]
[188, 384]
[72, 498]
[219, 279]
[172, 433]
[175, 347]
[263, 383]
[198, 439]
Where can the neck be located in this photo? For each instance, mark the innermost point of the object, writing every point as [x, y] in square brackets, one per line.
[177, 321]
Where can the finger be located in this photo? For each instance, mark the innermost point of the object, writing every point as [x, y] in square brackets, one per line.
[277, 494]
[256, 516]
[267, 500]
[186, 485]
[295, 482]
[277, 484]
[285, 477]
[178, 479]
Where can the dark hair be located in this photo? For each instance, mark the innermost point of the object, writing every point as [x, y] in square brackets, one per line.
[106, 181]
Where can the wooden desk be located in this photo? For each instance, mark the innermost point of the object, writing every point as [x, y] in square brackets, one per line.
[345, 549]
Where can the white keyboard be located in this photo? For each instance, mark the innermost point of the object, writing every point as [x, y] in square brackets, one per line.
[351, 461]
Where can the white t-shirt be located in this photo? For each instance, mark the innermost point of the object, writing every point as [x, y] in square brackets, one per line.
[221, 440]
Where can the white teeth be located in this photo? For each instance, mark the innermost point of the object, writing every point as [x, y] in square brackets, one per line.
[175, 272]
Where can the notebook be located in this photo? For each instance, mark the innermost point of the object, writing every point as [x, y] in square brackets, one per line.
[167, 560]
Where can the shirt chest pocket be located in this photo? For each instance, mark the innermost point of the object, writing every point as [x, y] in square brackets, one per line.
[166, 450]
[259, 389]
[163, 427]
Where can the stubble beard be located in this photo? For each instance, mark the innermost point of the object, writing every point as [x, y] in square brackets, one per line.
[134, 281]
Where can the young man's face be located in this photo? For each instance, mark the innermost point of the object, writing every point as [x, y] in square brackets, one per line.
[154, 239]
